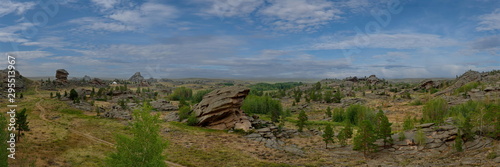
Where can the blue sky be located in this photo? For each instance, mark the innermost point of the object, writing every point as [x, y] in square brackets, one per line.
[251, 38]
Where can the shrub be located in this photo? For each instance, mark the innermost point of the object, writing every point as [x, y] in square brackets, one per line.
[408, 123]
[435, 110]
[192, 120]
[357, 113]
[420, 137]
[401, 136]
[467, 87]
[302, 120]
[263, 105]
[338, 115]
[198, 96]
[145, 147]
[181, 93]
[184, 112]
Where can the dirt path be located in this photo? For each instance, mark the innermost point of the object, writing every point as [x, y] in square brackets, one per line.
[88, 136]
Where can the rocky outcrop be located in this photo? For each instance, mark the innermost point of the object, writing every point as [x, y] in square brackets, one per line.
[220, 109]
[372, 79]
[437, 137]
[19, 79]
[97, 81]
[117, 112]
[467, 77]
[136, 78]
[62, 76]
[163, 105]
[350, 101]
[427, 84]
[86, 78]
[272, 136]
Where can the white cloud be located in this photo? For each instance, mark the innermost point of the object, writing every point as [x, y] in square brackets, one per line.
[93, 23]
[489, 22]
[7, 7]
[299, 15]
[392, 41]
[147, 14]
[52, 42]
[393, 56]
[106, 4]
[231, 8]
[11, 33]
[24, 55]
[136, 19]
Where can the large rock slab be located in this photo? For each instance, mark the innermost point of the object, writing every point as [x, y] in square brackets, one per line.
[220, 109]
[62, 75]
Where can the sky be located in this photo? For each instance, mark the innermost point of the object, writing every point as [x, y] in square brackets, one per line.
[251, 38]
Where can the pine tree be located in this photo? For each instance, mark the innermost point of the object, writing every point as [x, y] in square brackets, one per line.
[21, 122]
[344, 134]
[51, 95]
[302, 120]
[146, 145]
[65, 94]
[73, 94]
[365, 138]
[329, 112]
[384, 128]
[458, 143]
[21, 96]
[4, 136]
[328, 135]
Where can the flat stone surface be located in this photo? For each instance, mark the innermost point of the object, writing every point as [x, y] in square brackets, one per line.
[424, 125]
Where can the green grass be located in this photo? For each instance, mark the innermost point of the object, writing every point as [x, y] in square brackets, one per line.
[71, 111]
[183, 126]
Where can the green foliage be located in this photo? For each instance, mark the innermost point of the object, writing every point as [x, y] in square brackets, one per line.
[192, 120]
[198, 96]
[328, 97]
[344, 134]
[297, 94]
[145, 147]
[357, 113]
[72, 94]
[302, 120]
[328, 135]
[328, 112]
[435, 110]
[275, 86]
[467, 87]
[263, 105]
[4, 136]
[420, 137]
[181, 93]
[338, 115]
[365, 138]
[51, 95]
[458, 145]
[337, 97]
[416, 102]
[182, 103]
[21, 122]
[401, 136]
[491, 155]
[383, 128]
[184, 112]
[71, 111]
[408, 123]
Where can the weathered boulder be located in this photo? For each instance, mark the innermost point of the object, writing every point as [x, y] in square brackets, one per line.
[62, 76]
[163, 105]
[220, 109]
[86, 78]
[117, 112]
[19, 79]
[465, 78]
[136, 78]
[372, 79]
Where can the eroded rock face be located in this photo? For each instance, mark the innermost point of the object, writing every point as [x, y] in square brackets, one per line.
[137, 78]
[220, 109]
[62, 75]
[467, 77]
